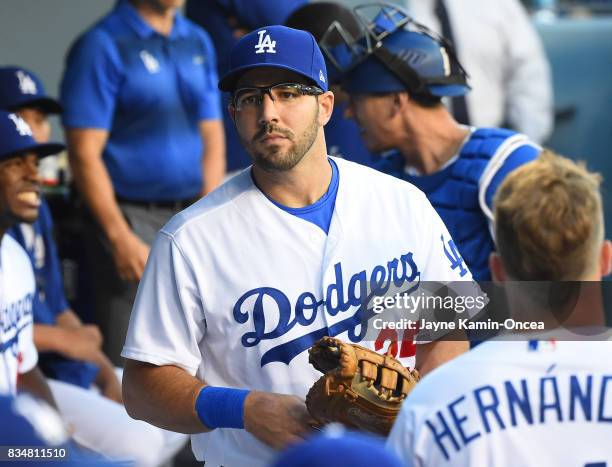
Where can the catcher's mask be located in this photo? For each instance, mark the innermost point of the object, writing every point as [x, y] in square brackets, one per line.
[395, 53]
[317, 18]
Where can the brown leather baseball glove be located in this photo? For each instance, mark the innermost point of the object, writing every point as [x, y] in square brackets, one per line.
[360, 388]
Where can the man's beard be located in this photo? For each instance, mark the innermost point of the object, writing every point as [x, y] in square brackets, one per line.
[272, 158]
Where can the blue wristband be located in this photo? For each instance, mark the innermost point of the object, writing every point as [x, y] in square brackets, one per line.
[221, 407]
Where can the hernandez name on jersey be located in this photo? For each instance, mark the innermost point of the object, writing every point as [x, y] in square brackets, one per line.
[540, 402]
[252, 287]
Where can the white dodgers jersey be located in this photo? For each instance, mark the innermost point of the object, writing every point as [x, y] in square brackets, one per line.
[236, 290]
[521, 403]
[17, 287]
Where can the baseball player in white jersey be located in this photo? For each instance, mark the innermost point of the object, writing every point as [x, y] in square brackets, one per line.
[241, 284]
[537, 400]
[97, 421]
[19, 200]
[16, 294]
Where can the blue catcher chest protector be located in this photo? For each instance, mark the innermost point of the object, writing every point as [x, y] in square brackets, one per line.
[397, 54]
[462, 192]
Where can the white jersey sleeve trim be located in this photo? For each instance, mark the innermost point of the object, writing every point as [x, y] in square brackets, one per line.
[157, 360]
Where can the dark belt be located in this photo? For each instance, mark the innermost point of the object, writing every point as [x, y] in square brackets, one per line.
[175, 205]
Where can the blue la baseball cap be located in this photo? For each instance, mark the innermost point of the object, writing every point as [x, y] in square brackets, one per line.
[16, 138]
[348, 449]
[277, 47]
[20, 88]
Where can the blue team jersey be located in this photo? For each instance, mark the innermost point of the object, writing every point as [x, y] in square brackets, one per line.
[37, 240]
[50, 301]
[462, 192]
[150, 92]
[221, 18]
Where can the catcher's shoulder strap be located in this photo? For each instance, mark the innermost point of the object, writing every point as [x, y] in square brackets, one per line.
[498, 144]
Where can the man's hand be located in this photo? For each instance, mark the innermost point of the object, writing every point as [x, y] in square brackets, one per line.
[78, 344]
[93, 331]
[276, 419]
[130, 254]
[85, 148]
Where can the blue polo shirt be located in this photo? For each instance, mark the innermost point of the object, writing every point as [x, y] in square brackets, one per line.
[150, 92]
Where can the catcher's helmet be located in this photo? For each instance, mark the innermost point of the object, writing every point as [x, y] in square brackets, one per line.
[395, 53]
[317, 18]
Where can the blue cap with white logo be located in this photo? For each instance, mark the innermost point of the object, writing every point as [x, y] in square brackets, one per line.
[22, 88]
[16, 138]
[278, 47]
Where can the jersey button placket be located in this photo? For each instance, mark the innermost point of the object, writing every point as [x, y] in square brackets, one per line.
[328, 274]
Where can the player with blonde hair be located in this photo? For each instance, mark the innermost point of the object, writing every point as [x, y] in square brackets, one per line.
[514, 402]
[549, 222]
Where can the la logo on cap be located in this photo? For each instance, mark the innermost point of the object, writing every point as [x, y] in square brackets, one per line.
[20, 125]
[26, 83]
[265, 42]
